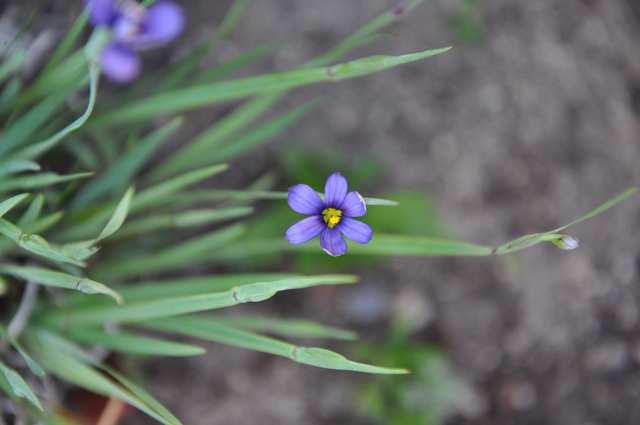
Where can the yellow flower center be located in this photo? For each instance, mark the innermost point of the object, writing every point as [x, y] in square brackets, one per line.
[331, 216]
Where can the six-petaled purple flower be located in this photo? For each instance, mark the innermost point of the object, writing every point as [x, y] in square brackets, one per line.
[133, 28]
[330, 218]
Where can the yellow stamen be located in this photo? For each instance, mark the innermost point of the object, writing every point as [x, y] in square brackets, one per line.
[331, 216]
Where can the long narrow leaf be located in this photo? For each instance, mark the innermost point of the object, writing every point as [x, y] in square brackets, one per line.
[124, 169]
[61, 280]
[19, 387]
[210, 330]
[145, 310]
[198, 96]
[133, 344]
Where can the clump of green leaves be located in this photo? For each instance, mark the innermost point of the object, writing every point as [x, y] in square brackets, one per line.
[75, 232]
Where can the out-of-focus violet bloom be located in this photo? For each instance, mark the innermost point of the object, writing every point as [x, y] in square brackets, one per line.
[133, 28]
[330, 218]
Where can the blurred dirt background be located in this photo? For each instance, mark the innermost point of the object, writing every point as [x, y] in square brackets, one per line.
[531, 120]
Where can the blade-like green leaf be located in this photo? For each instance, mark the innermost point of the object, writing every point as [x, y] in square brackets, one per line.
[243, 60]
[182, 220]
[39, 148]
[160, 192]
[392, 245]
[9, 94]
[208, 329]
[11, 64]
[33, 366]
[366, 33]
[198, 96]
[142, 395]
[191, 252]
[33, 212]
[17, 166]
[8, 204]
[554, 235]
[200, 195]
[124, 169]
[212, 137]
[297, 328]
[19, 387]
[118, 217]
[145, 310]
[132, 343]
[180, 287]
[39, 180]
[69, 368]
[36, 244]
[67, 43]
[61, 280]
[25, 127]
[259, 135]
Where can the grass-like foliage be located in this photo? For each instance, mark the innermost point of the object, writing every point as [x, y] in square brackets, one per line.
[86, 258]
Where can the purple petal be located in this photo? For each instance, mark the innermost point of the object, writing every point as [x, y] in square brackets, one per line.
[332, 242]
[355, 230]
[304, 200]
[304, 230]
[335, 190]
[354, 205]
[163, 22]
[101, 12]
[119, 63]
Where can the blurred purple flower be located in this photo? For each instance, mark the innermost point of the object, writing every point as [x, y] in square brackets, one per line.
[330, 218]
[133, 28]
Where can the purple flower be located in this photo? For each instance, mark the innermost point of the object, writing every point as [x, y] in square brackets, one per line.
[133, 28]
[330, 218]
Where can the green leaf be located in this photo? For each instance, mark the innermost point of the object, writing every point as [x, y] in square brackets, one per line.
[184, 219]
[388, 245]
[61, 280]
[158, 194]
[211, 330]
[19, 387]
[33, 366]
[118, 217]
[163, 191]
[25, 127]
[142, 395]
[260, 134]
[243, 60]
[366, 33]
[184, 286]
[209, 140]
[122, 171]
[297, 328]
[33, 212]
[554, 235]
[67, 43]
[8, 204]
[254, 195]
[132, 343]
[12, 64]
[9, 94]
[68, 74]
[69, 368]
[207, 94]
[145, 310]
[39, 180]
[17, 166]
[36, 244]
[39, 148]
[191, 252]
